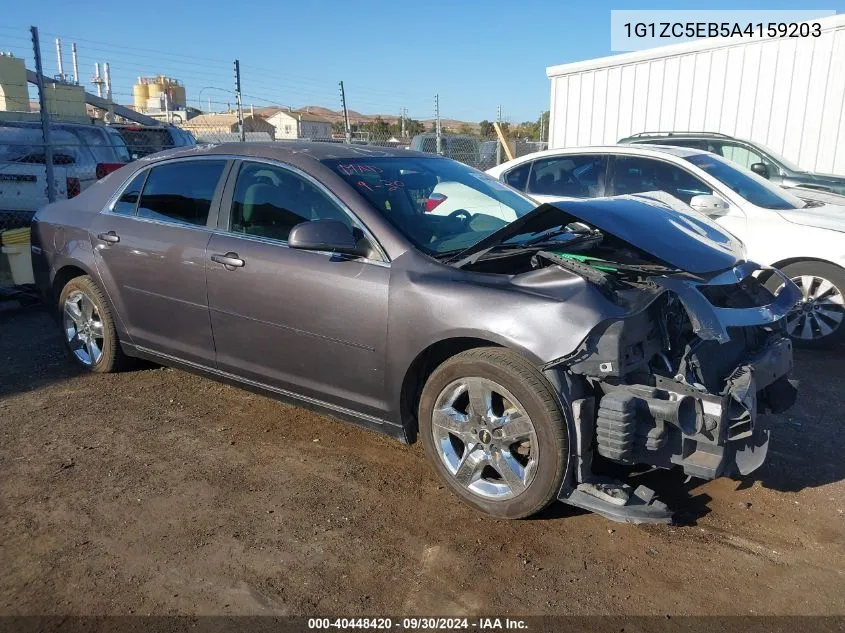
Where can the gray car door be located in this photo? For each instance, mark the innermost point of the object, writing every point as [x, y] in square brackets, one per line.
[150, 249]
[311, 323]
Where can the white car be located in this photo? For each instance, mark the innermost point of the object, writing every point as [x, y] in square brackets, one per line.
[803, 236]
[451, 198]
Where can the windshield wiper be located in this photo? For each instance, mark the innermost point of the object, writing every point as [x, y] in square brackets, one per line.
[545, 240]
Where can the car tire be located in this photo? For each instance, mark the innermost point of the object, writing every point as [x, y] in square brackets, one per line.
[88, 327]
[818, 321]
[506, 471]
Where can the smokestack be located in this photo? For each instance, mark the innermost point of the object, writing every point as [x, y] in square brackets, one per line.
[97, 81]
[59, 60]
[108, 80]
[75, 64]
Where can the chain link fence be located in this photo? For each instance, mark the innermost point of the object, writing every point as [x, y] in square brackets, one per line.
[58, 137]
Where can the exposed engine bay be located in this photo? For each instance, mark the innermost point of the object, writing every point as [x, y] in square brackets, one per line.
[683, 380]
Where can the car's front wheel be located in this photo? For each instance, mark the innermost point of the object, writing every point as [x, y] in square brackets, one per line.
[818, 319]
[88, 327]
[494, 430]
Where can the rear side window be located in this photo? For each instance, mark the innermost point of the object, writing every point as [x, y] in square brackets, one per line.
[128, 200]
[576, 176]
[518, 176]
[25, 145]
[181, 192]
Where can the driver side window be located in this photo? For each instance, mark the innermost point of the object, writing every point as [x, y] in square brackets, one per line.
[269, 201]
[572, 176]
[741, 155]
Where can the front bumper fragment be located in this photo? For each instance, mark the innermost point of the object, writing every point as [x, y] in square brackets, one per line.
[710, 322]
[675, 424]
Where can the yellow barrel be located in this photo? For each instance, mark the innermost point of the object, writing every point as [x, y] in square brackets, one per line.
[140, 94]
[177, 96]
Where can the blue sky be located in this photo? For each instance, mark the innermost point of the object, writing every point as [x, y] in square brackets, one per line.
[476, 55]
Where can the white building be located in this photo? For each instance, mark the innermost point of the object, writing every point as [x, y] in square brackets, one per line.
[294, 124]
[788, 94]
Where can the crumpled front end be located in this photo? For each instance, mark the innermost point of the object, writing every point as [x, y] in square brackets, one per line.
[684, 381]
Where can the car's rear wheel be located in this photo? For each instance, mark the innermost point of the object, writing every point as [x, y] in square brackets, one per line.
[818, 319]
[494, 430]
[88, 327]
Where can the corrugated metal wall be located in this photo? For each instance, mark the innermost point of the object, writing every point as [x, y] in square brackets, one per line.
[788, 94]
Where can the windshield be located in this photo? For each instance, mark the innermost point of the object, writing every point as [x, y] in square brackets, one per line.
[758, 191]
[780, 159]
[440, 205]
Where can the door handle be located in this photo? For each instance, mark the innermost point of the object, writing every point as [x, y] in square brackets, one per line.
[111, 237]
[229, 260]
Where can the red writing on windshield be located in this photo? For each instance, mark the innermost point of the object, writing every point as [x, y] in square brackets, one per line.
[358, 168]
[390, 185]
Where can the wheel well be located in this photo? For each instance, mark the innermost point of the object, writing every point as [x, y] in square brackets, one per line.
[795, 260]
[64, 275]
[422, 367]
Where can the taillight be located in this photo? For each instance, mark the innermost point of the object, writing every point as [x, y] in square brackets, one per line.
[73, 187]
[104, 169]
[434, 200]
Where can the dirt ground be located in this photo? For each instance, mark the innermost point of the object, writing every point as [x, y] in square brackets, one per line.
[160, 492]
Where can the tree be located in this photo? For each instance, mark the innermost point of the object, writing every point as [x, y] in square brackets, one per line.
[378, 129]
[413, 127]
[486, 128]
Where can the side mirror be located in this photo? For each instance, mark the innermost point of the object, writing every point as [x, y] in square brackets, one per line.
[761, 169]
[324, 235]
[710, 205]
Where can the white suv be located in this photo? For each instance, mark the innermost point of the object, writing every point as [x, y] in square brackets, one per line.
[804, 236]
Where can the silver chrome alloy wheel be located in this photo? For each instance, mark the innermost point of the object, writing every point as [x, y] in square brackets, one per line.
[83, 328]
[820, 311]
[485, 438]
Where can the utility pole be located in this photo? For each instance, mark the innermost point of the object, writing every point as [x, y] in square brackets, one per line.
[238, 98]
[403, 112]
[45, 117]
[542, 125]
[347, 131]
[437, 124]
[499, 145]
[107, 79]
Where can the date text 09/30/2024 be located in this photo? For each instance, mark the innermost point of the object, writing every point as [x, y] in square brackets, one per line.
[418, 624]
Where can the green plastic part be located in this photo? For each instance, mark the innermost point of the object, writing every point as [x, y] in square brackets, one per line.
[595, 262]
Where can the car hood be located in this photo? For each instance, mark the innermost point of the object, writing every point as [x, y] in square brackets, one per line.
[655, 223]
[820, 214]
[663, 227]
[809, 180]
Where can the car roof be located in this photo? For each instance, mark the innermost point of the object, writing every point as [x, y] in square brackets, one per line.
[641, 149]
[56, 124]
[287, 150]
[683, 152]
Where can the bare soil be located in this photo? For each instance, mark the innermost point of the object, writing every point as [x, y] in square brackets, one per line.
[160, 492]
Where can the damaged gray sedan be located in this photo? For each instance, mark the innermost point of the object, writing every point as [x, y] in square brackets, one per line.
[527, 347]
